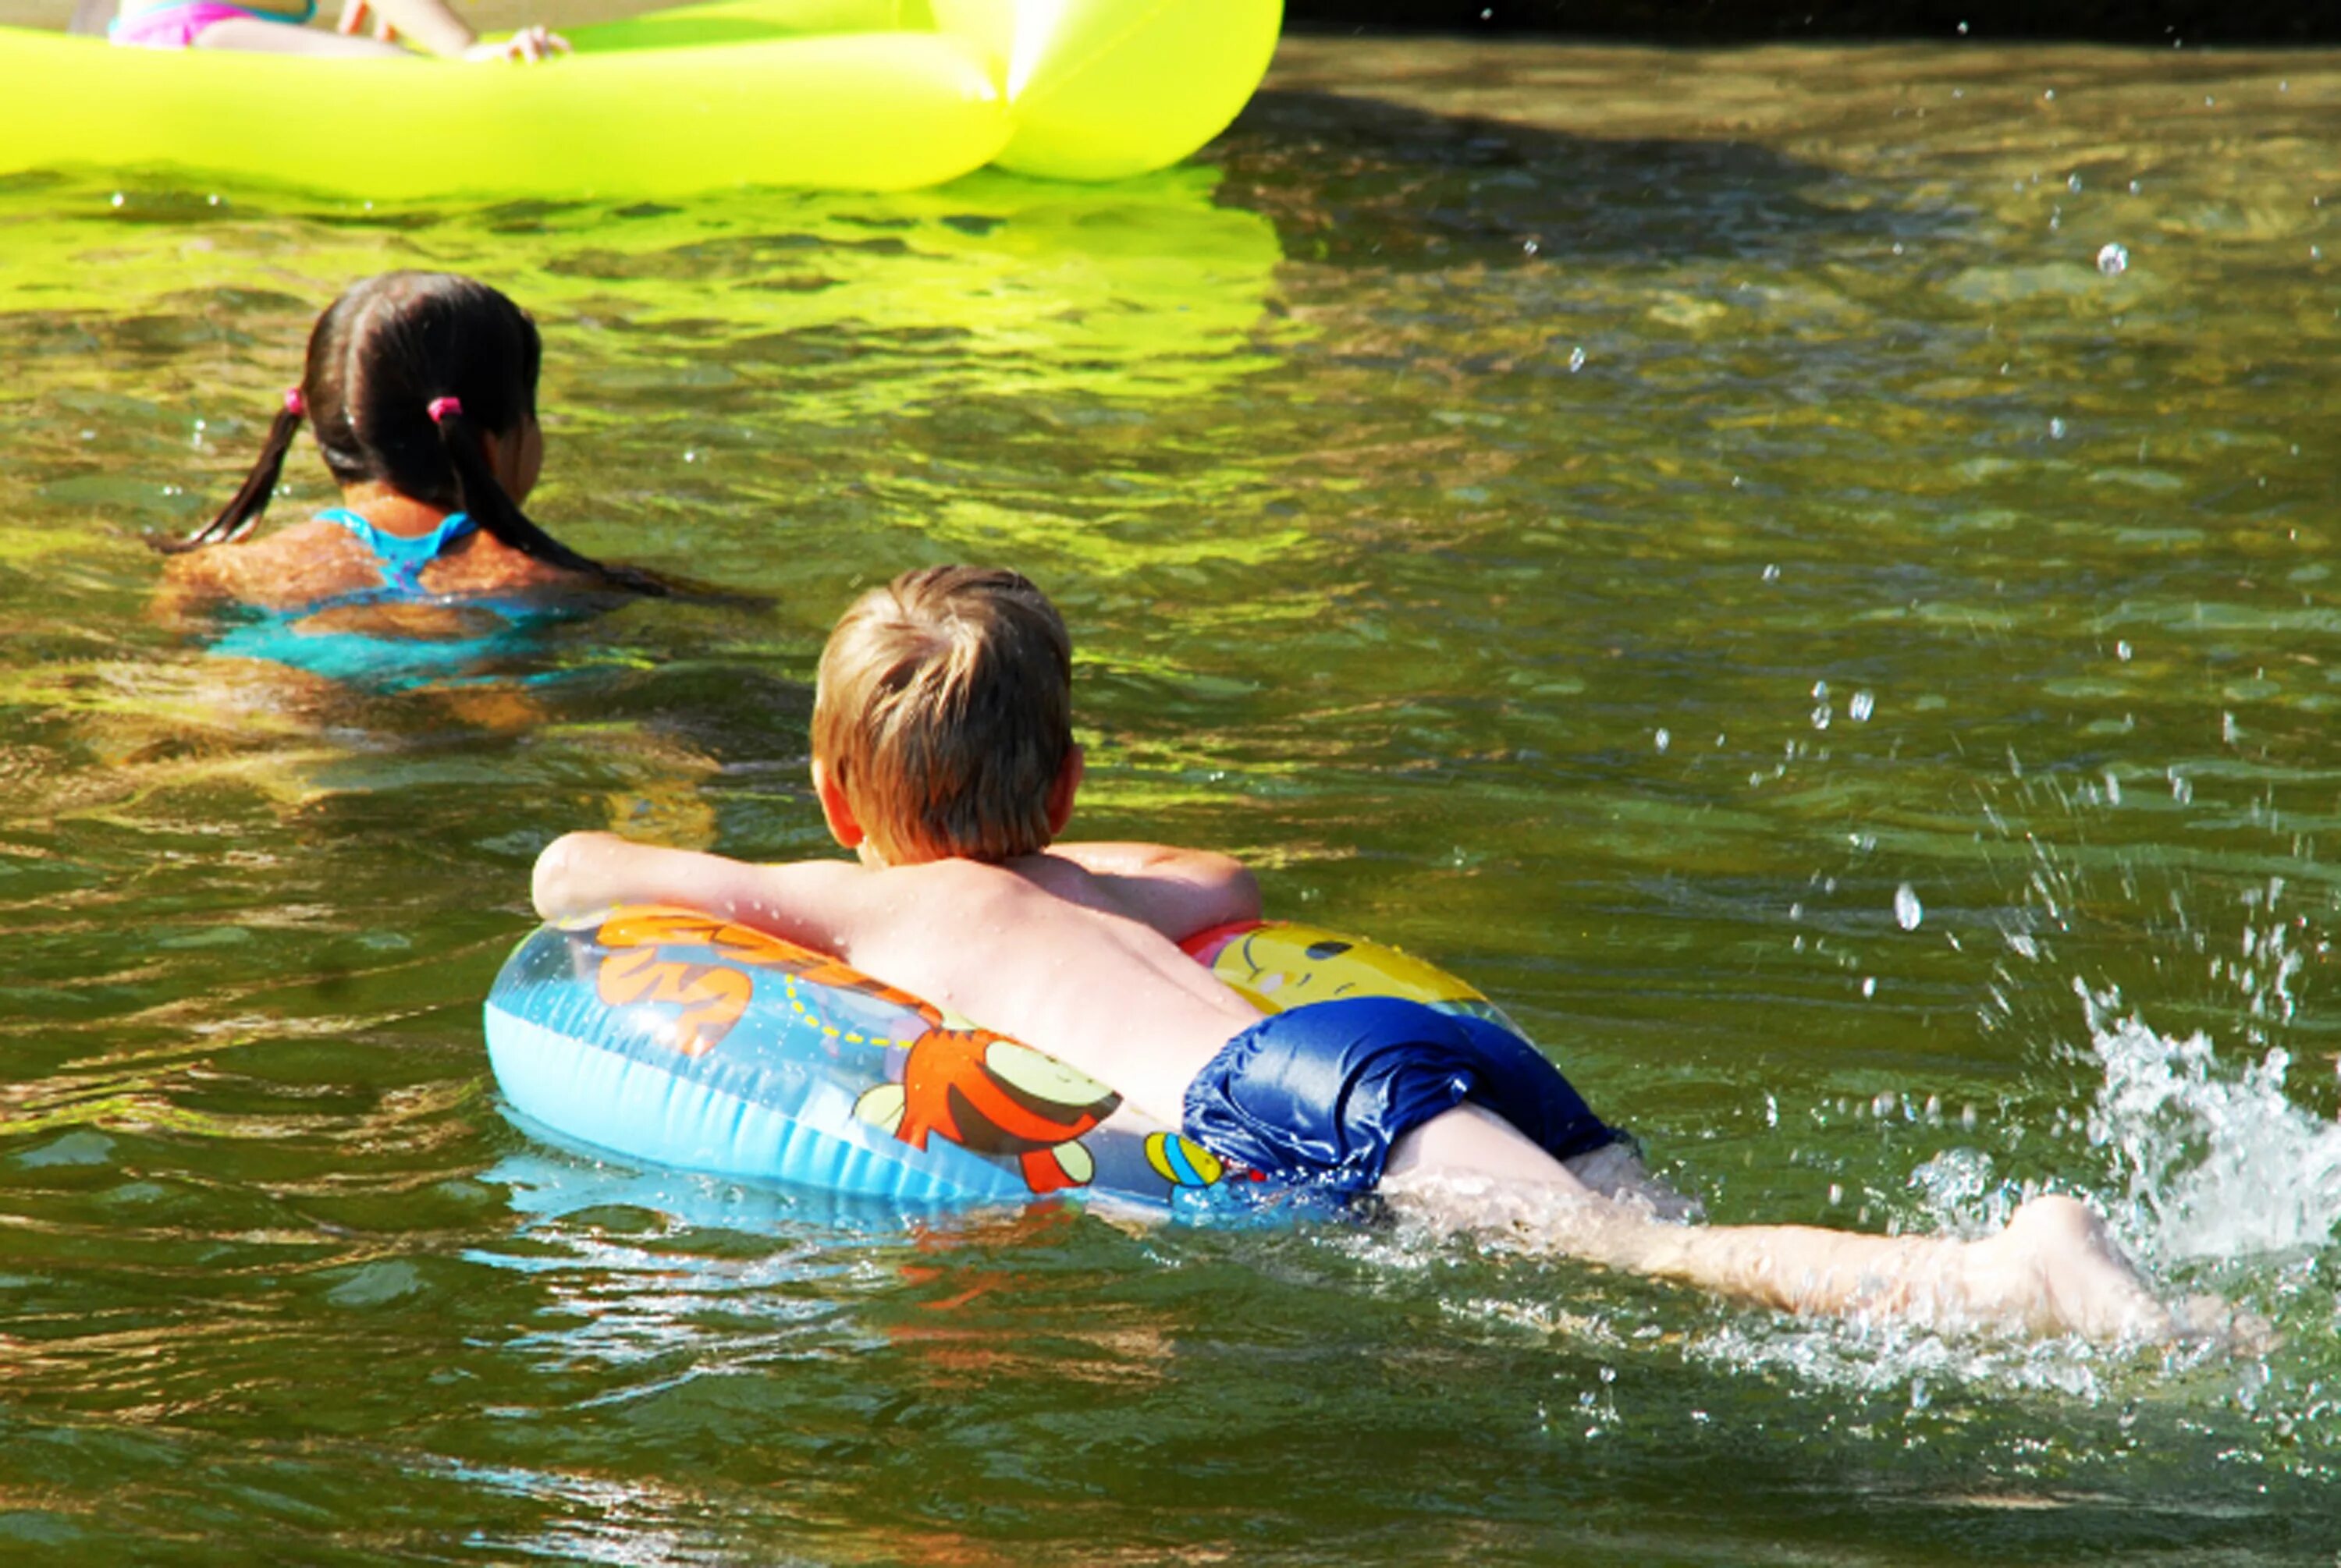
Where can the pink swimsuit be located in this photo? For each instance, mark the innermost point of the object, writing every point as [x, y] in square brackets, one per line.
[178, 26]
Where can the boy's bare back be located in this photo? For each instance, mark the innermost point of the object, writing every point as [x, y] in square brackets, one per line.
[1078, 962]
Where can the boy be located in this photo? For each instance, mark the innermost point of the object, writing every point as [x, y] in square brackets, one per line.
[943, 756]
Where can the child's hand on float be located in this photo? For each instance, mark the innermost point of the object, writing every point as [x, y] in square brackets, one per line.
[357, 17]
[531, 44]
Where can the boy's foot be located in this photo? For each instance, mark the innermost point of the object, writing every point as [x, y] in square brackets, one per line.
[2056, 1269]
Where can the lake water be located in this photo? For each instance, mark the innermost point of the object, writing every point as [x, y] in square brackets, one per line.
[1805, 573]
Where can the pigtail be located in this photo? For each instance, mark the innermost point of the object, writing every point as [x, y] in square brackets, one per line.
[242, 514]
[485, 500]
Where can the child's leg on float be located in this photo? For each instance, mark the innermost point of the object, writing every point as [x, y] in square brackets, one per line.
[249, 34]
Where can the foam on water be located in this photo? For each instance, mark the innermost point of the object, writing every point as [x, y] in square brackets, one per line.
[2213, 1160]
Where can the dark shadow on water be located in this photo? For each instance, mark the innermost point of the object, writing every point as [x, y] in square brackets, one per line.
[1361, 181]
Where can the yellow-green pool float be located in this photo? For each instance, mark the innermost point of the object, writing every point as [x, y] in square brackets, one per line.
[835, 94]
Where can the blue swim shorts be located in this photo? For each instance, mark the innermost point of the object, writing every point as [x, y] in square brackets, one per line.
[1321, 1093]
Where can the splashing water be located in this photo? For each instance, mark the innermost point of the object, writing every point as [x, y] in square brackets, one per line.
[2215, 1164]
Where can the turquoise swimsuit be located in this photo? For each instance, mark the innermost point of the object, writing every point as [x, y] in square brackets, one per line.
[391, 663]
[403, 559]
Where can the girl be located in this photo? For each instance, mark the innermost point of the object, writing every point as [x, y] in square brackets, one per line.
[267, 30]
[421, 389]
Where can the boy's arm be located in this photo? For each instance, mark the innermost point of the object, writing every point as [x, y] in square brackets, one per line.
[1178, 892]
[810, 902]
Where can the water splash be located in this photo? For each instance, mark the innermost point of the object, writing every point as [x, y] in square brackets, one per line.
[2215, 1162]
[1907, 911]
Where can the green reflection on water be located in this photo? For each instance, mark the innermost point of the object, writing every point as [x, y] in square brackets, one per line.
[1607, 519]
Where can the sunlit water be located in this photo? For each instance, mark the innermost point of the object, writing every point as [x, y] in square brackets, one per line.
[1713, 546]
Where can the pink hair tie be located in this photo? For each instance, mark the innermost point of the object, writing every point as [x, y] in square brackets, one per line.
[294, 404]
[442, 409]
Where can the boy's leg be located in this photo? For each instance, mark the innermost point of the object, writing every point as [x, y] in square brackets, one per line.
[2053, 1269]
[251, 36]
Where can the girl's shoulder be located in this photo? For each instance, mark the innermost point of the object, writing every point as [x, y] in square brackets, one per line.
[484, 566]
[290, 567]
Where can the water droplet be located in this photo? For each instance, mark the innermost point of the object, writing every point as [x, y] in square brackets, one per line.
[1861, 708]
[2113, 260]
[2122, 650]
[2073, 184]
[2056, 430]
[1530, 246]
[1664, 740]
[1963, 29]
[1576, 359]
[117, 198]
[1870, 986]
[1907, 911]
[2133, 187]
[1771, 574]
[2049, 96]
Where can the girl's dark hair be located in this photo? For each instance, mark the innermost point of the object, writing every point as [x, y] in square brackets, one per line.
[379, 357]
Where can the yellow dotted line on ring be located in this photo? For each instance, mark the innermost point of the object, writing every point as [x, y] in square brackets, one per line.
[788, 983]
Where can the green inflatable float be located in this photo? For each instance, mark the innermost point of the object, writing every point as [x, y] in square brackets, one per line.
[834, 94]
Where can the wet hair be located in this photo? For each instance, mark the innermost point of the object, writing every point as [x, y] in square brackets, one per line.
[405, 371]
[944, 713]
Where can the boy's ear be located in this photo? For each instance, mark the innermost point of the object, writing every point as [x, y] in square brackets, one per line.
[1061, 792]
[842, 825]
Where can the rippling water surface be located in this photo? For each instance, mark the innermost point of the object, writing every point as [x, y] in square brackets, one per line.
[1807, 574]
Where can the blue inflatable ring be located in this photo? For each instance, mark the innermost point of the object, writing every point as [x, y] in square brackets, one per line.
[669, 1036]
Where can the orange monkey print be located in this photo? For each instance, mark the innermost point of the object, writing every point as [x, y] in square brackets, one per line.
[997, 1097]
[636, 968]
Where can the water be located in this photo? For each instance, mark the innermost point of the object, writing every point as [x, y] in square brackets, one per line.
[1701, 543]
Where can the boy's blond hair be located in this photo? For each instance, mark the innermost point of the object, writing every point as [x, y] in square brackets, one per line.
[944, 714]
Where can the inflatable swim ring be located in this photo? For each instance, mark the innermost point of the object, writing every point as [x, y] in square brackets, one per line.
[669, 1036]
[850, 94]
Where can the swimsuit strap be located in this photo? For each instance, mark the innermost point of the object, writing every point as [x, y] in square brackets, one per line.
[403, 559]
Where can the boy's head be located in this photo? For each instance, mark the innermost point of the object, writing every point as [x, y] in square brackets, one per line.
[944, 721]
